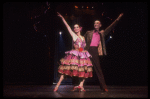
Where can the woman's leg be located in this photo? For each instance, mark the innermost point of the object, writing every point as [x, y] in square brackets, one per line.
[82, 82]
[59, 82]
[81, 85]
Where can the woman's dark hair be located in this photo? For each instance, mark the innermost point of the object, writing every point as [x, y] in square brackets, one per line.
[79, 27]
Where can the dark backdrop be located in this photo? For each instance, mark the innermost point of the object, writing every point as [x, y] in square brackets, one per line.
[29, 55]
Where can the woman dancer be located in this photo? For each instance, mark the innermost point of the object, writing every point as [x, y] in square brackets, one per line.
[77, 61]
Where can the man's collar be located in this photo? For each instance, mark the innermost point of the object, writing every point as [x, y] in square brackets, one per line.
[96, 30]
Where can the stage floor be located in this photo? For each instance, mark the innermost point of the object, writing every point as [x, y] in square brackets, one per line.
[64, 91]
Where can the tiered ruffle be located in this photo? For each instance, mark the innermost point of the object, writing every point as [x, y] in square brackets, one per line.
[76, 63]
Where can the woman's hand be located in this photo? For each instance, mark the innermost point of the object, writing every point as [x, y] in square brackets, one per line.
[59, 15]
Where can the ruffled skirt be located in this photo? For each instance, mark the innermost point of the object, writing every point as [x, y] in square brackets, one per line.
[76, 63]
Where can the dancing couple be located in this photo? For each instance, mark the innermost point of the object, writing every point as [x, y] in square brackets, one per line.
[80, 61]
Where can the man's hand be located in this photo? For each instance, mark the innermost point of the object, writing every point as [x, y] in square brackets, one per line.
[120, 16]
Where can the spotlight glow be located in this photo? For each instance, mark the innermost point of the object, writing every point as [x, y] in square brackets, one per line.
[60, 32]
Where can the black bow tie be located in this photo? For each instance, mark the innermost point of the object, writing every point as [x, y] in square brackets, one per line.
[96, 31]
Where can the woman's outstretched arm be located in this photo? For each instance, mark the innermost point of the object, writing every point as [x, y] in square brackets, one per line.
[74, 36]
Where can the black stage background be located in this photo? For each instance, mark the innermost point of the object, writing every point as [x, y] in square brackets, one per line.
[32, 45]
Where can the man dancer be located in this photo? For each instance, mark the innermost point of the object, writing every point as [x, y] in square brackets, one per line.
[95, 44]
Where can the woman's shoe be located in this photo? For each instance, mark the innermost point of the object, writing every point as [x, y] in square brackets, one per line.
[56, 88]
[74, 88]
[81, 88]
[106, 90]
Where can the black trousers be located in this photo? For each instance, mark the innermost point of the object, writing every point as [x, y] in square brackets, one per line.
[96, 65]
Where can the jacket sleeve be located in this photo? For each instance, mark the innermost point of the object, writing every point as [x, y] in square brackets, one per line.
[110, 27]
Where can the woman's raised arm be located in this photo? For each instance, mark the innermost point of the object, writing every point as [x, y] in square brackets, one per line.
[74, 36]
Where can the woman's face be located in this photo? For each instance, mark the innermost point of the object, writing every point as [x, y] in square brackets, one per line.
[76, 28]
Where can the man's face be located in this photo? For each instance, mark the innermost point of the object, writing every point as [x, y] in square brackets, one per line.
[97, 24]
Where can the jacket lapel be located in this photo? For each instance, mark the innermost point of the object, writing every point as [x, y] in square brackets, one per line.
[91, 35]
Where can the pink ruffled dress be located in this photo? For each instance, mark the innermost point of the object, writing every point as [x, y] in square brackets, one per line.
[77, 61]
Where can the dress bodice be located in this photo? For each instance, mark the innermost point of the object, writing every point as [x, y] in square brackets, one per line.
[79, 43]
